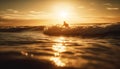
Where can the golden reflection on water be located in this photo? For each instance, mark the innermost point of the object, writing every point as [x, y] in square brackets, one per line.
[58, 49]
[58, 61]
[60, 39]
[26, 54]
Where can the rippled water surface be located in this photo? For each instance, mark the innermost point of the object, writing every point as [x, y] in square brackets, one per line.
[34, 50]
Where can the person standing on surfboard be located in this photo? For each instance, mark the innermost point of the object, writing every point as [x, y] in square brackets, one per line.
[66, 24]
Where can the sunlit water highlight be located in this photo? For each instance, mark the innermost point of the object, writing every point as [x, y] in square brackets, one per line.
[60, 52]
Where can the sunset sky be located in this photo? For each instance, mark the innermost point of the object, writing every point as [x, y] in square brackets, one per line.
[72, 11]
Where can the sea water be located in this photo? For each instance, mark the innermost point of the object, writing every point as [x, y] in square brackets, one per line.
[35, 50]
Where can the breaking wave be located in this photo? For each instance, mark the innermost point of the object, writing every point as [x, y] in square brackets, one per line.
[21, 28]
[87, 30]
[81, 30]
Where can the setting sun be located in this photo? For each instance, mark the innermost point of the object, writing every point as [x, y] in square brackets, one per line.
[63, 14]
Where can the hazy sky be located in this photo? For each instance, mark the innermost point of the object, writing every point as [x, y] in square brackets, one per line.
[77, 10]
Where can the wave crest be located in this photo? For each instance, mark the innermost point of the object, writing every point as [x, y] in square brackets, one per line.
[87, 30]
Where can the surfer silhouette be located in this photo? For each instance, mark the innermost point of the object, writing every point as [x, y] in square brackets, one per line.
[66, 24]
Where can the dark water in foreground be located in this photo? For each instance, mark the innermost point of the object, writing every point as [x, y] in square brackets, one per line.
[34, 50]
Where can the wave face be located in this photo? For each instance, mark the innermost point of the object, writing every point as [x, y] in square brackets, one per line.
[87, 30]
[21, 28]
[81, 30]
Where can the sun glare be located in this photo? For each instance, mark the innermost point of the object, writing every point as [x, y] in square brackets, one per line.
[63, 14]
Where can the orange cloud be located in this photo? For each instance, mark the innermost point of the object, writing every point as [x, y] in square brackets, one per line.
[112, 8]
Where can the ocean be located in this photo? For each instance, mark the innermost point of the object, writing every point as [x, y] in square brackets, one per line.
[31, 48]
